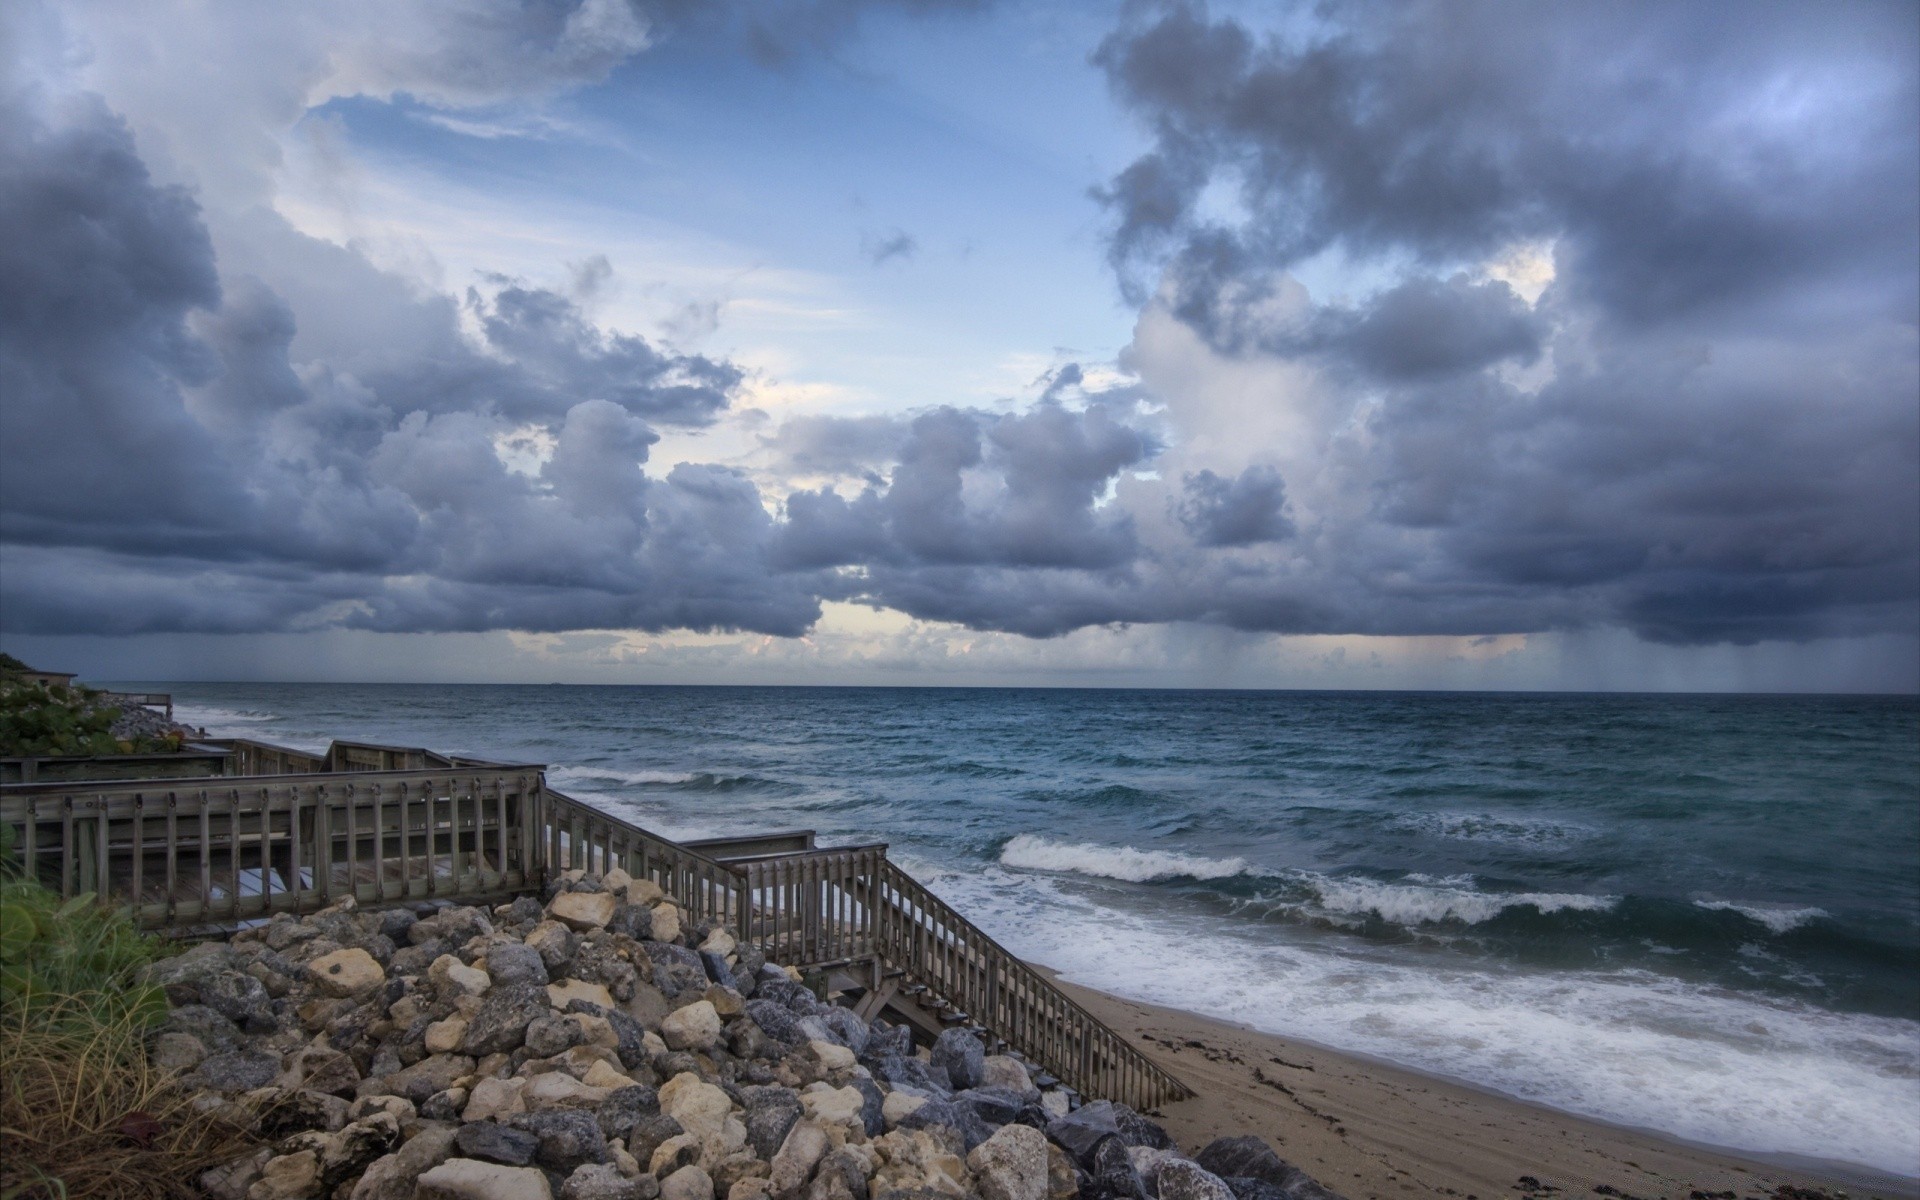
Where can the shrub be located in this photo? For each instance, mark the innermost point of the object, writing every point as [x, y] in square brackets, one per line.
[39, 718]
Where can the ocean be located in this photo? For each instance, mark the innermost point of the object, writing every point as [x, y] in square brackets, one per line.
[1693, 914]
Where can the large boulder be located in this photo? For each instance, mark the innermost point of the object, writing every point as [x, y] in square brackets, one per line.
[695, 1027]
[1179, 1179]
[350, 972]
[771, 1113]
[1081, 1131]
[1011, 1165]
[471, 1179]
[568, 1137]
[499, 1025]
[492, 1142]
[960, 1053]
[1248, 1158]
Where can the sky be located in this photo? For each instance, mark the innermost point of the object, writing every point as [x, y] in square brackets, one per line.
[1427, 345]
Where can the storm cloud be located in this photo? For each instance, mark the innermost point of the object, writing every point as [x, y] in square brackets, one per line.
[1457, 318]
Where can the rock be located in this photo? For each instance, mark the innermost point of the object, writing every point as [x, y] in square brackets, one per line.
[899, 1105]
[446, 1105]
[557, 1089]
[500, 1023]
[666, 923]
[514, 962]
[632, 920]
[994, 1106]
[493, 1099]
[238, 1070]
[561, 994]
[805, 1145]
[688, 1183]
[1055, 1103]
[600, 1181]
[492, 1142]
[1249, 1157]
[1012, 1164]
[1113, 1175]
[830, 1056]
[1146, 1162]
[963, 1057]
[909, 1072]
[443, 1037]
[568, 1137]
[352, 1149]
[346, 972]
[325, 1070]
[181, 975]
[470, 1179]
[695, 1027]
[301, 1110]
[452, 978]
[177, 1052]
[727, 1002]
[556, 946]
[719, 942]
[999, 1071]
[395, 1176]
[776, 1021]
[872, 1107]
[920, 1161]
[621, 1109]
[399, 1107]
[582, 911]
[676, 969]
[551, 1035]
[288, 1177]
[239, 998]
[669, 1156]
[1082, 1130]
[603, 1075]
[771, 1112]
[700, 1107]
[1063, 1177]
[841, 1175]
[648, 1133]
[1180, 1179]
[1136, 1130]
[853, 1032]
[435, 1073]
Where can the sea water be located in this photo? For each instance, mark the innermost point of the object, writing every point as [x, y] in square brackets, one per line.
[1695, 914]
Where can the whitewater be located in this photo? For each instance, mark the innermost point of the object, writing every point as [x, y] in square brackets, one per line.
[1697, 915]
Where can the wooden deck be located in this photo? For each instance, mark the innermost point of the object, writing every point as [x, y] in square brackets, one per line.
[291, 831]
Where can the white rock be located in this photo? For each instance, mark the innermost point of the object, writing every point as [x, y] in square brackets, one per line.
[688, 1183]
[568, 990]
[644, 891]
[495, 1098]
[1012, 1164]
[581, 911]
[751, 1188]
[1001, 1071]
[701, 1108]
[595, 1031]
[831, 1056]
[806, 1144]
[719, 942]
[679, 1147]
[616, 881]
[695, 1027]
[601, 1075]
[898, 1106]
[448, 972]
[471, 1179]
[346, 972]
[557, 1089]
[666, 923]
[651, 1043]
[1055, 1104]
[443, 1037]
[832, 1106]
[288, 1177]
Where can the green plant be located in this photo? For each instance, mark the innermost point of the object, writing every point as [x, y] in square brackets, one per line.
[72, 960]
[42, 719]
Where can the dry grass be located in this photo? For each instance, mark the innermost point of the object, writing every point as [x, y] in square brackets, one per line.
[72, 1098]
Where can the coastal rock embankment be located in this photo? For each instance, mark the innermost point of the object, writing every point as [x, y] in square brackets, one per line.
[599, 1046]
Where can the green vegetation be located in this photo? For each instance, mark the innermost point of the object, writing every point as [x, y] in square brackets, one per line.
[40, 719]
[82, 1110]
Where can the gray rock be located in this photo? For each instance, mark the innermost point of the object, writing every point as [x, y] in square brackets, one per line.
[854, 1033]
[302, 1110]
[598, 1181]
[995, 1106]
[776, 1021]
[416, 958]
[214, 1031]
[183, 975]
[632, 1048]
[896, 1040]
[676, 969]
[1247, 1157]
[446, 1105]
[500, 1025]
[1136, 1130]
[394, 924]
[1081, 1131]
[176, 1051]
[239, 998]
[771, 1112]
[238, 1070]
[871, 1110]
[568, 1137]
[516, 963]
[551, 1035]
[493, 1142]
[523, 911]
[647, 1134]
[633, 920]
[1179, 1179]
[900, 1071]
[394, 1177]
[1114, 1177]
[628, 1106]
[716, 967]
[963, 1057]
[434, 1073]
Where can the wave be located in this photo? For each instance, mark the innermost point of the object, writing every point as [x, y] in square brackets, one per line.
[1127, 863]
[692, 781]
[215, 718]
[1422, 900]
[1778, 919]
[1485, 827]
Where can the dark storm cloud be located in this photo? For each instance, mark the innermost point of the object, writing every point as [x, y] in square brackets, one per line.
[1242, 511]
[193, 466]
[1726, 444]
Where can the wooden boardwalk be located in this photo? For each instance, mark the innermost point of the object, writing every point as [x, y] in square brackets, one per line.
[289, 831]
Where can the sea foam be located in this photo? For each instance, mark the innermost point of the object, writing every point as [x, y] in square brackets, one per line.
[1777, 918]
[1421, 900]
[1036, 853]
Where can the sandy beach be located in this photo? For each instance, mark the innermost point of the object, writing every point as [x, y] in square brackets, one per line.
[1376, 1132]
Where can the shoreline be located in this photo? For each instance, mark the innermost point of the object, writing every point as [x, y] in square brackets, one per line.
[1372, 1130]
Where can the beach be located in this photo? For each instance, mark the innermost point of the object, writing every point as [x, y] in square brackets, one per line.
[1372, 1131]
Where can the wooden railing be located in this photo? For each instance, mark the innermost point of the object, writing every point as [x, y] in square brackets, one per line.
[265, 758]
[194, 853]
[201, 851]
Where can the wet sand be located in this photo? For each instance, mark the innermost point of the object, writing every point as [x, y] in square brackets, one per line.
[1371, 1131]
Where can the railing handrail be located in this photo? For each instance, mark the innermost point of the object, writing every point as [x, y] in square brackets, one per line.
[191, 782]
[742, 866]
